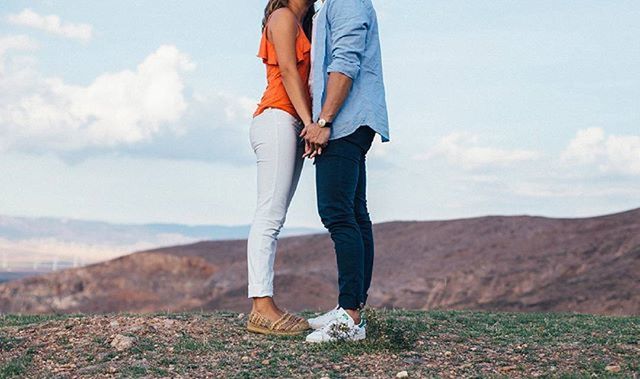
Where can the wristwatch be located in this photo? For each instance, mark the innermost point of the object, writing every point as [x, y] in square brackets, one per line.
[324, 123]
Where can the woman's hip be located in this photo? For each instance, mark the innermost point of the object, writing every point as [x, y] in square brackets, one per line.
[275, 127]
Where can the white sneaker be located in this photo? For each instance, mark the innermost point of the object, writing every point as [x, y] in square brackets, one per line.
[324, 319]
[342, 328]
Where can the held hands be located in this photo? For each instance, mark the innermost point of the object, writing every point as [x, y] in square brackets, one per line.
[316, 138]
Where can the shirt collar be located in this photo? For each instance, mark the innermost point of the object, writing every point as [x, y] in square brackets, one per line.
[318, 5]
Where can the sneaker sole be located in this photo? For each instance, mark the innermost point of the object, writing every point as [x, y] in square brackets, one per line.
[357, 339]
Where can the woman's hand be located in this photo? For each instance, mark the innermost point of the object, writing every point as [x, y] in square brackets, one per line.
[316, 138]
[310, 152]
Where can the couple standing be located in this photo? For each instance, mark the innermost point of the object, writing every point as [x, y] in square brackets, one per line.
[324, 100]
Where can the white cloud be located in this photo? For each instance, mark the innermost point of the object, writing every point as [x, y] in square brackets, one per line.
[462, 149]
[586, 146]
[117, 108]
[14, 42]
[572, 190]
[52, 24]
[235, 109]
[610, 154]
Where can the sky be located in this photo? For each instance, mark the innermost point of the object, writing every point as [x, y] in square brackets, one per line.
[139, 111]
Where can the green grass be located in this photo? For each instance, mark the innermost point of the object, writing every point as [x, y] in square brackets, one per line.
[18, 366]
[427, 344]
[20, 320]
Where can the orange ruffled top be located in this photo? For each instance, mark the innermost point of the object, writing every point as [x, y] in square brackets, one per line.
[275, 96]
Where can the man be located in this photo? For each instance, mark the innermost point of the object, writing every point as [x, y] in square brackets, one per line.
[349, 108]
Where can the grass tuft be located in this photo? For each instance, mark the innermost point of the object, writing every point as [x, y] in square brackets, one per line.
[18, 366]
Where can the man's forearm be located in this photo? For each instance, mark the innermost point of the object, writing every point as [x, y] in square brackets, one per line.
[338, 88]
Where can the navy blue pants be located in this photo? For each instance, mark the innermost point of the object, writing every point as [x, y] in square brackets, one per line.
[341, 184]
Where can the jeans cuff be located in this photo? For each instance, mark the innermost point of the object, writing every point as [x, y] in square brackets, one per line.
[348, 302]
[260, 292]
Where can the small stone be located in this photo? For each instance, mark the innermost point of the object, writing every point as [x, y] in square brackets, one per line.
[265, 362]
[114, 324]
[612, 368]
[121, 343]
[241, 316]
[245, 359]
[448, 354]
[402, 374]
[508, 368]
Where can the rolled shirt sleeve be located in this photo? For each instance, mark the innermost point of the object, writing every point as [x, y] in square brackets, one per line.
[348, 24]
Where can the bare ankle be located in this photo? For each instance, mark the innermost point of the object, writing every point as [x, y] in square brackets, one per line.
[264, 305]
[355, 315]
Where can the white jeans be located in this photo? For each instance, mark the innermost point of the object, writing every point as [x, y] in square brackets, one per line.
[278, 147]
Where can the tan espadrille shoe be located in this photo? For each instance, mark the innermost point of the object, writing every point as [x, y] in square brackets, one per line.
[287, 325]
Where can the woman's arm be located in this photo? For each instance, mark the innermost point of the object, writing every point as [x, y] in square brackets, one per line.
[283, 32]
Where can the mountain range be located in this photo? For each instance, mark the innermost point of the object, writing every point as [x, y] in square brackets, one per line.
[514, 263]
[36, 245]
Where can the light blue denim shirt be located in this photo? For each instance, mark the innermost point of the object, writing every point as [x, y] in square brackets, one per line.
[346, 40]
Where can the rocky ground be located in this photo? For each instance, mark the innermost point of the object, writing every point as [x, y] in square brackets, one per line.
[400, 344]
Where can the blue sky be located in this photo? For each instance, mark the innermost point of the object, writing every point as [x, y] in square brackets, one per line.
[139, 111]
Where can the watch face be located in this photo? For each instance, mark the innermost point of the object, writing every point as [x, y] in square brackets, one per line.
[322, 122]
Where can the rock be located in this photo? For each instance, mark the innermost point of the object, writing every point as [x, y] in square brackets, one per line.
[508, 368]
[121, 343]
[402, 374]
[413, 360]
[245, 359]
[265, 362]
[88, 370]
[114, 324]
[447, 354]
[612, 368]
[240, 316]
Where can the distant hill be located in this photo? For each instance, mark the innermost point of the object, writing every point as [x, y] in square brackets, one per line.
[84, 231]
[517, 263]
[36, 245]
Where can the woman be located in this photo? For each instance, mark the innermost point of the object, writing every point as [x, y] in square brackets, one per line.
[285, 109]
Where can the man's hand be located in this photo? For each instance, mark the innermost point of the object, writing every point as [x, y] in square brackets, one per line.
[316, 138]
[311, 152]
